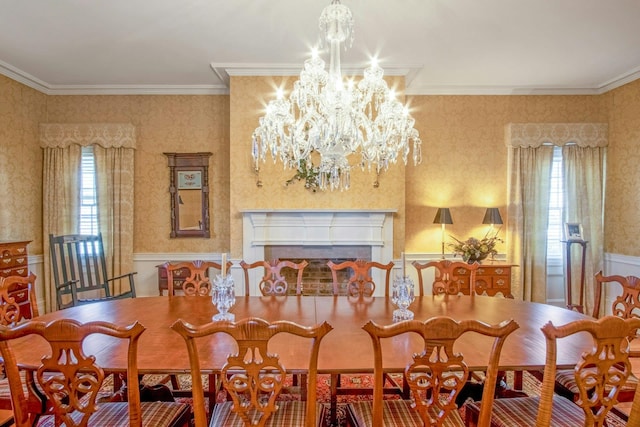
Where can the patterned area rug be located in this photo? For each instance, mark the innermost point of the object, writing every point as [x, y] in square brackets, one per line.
[531, 386]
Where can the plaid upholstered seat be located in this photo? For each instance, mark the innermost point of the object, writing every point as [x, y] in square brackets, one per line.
[397, 413]
[289, 413]
[520, 411]
[116, 414]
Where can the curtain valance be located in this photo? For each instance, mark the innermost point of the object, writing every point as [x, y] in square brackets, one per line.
[537, 134]
[107, 135]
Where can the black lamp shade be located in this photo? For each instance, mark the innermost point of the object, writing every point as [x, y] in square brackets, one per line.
[492, 216]
[443, 216]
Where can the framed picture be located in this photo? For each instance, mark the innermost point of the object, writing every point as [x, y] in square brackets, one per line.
[189, 180]
[573, 231]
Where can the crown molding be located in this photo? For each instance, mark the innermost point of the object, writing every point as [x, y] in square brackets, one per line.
[137, 90]
[224, 70]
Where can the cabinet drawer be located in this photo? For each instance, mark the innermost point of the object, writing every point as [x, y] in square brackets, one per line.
[17, 271]
[13, 261]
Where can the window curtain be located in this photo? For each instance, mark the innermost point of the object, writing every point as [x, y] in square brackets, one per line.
[584, 172]
[114, 175]
[530, 154]
[528, 187]
[62, 146]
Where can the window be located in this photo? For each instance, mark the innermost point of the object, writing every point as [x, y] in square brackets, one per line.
[556, 208]
[88, 222]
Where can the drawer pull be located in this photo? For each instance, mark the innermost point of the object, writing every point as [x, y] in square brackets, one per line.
[20, 271]
[20, 260]
[499, 271]
[21, 250]
[6, 260]
[500, 282]
[20, 295]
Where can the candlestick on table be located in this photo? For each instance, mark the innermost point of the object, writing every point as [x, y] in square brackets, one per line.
[224, 264]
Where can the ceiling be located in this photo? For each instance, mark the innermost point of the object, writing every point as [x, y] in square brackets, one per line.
[441, 46]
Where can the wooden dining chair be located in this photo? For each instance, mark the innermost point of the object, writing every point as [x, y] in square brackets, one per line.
[273, 282]
[193, 276]
[435, 375]
[79, 271]
[600, 374]
[253, 377]
[73, 379]
[195, 281]
[360, 282]
[450, 277]
[18, 303]
[626, 306]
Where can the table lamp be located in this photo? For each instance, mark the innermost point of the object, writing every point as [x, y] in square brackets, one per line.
[492, 216]
[443, 217]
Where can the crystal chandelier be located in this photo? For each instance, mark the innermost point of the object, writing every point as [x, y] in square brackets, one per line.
[336, 118]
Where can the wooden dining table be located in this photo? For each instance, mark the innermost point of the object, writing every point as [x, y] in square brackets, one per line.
[346, 349]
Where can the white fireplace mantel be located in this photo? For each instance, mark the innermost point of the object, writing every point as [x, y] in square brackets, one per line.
[318, 227]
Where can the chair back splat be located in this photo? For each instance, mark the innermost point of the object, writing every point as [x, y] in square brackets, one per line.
[253, 377]
[360, 281]
[448, 276]
[17, 299]
[435, 375]
[272, 281]
[194, 276]
[80, 274]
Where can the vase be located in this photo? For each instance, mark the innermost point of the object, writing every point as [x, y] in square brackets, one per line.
[223, 297]
[471, 260]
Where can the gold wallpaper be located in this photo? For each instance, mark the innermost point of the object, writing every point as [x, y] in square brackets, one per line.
[463, 168]
[464, 161]
[21, 111]
[163, 124]
[621, 222]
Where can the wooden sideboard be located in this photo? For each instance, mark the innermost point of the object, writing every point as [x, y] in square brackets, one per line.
[14, 261]
[491, 278]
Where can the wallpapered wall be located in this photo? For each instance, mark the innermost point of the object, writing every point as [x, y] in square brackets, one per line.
[465, 157]
[21, 111]
[164, 124]
[464, 161]
[622, 224]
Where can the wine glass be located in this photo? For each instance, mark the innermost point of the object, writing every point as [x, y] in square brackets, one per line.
[402, 297]
[223, 297]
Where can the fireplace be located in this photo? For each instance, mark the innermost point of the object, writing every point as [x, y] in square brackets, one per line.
[318, 236]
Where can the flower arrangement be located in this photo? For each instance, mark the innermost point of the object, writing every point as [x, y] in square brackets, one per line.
[474, 249]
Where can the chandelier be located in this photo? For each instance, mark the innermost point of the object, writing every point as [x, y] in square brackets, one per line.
[334, 118]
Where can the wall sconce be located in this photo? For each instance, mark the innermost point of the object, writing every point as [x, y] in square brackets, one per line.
[443, 217]
[492, 216]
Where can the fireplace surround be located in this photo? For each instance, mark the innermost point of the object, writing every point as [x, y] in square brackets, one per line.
[317, 234]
